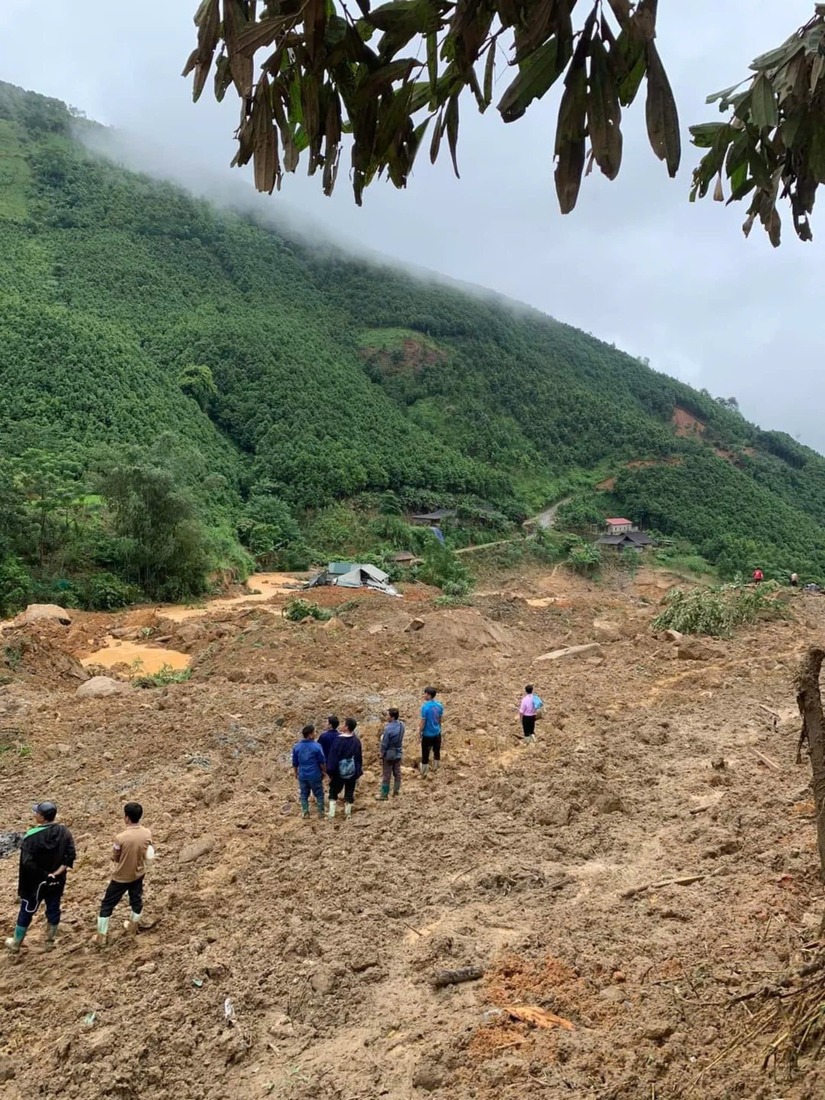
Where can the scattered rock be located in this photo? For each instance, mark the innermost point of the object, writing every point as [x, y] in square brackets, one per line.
[323, 982]
[333, 624]
[592, 649]
[690, 649]
[428, 1076]
[718, 763]
[674, 636]
[414, 624]
[236, 676]
[554, 811]
[658, 1031]
[189, 633]
[606, 631]
[608, 804]
[196, 849]
[40, 612]
[100, 686]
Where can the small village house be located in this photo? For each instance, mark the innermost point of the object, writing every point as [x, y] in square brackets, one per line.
[619, 526]
[623, 534]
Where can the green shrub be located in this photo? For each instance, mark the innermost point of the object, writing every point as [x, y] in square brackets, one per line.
[716, 611]
[164, 676]
[15, 586]
[298, 609]
[106, 592]
[585, 559]
[444, 570]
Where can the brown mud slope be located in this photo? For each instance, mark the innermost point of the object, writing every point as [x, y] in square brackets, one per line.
[526, 862]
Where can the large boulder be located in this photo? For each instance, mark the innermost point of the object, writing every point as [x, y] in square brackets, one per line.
[99, 687]
[43, 612]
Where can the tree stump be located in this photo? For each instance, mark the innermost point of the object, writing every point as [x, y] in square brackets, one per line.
[809, 701]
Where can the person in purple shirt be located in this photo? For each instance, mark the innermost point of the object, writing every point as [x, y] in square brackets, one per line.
[345, 767]
[310, 767]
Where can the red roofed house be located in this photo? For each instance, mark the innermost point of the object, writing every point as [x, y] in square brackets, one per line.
[619, 526]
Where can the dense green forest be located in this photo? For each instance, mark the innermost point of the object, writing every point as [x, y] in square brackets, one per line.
[185, 393]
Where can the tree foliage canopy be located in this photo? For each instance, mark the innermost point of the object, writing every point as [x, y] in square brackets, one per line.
[310, 74]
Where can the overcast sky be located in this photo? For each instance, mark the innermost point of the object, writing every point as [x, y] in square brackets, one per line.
[635, 264]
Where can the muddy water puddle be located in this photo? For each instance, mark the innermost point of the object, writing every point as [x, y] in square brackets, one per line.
[145, 659]
[264, 586]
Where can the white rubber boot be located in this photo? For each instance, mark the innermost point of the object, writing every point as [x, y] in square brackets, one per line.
[332, 806]
[423, 768]
[436, 764]
[130, 926]
[347, 810]
[102, 931]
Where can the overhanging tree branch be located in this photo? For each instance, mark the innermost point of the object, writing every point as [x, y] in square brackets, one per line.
[311, 76]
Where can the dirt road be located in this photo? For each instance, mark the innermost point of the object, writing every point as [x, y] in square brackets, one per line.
[325, 937]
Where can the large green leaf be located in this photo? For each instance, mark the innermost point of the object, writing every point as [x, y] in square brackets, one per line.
[536, 75]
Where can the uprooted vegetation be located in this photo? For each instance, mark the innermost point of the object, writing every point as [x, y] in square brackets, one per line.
[719, 611]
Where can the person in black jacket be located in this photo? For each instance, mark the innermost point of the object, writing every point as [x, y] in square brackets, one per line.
[344, 767]
[46, 855]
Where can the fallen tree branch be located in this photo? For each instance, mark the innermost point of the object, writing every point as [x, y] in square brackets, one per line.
[455, 977]
[685, 880]
[767, 760]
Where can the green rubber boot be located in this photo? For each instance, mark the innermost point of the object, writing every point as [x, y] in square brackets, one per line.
[384, 793]
[14, 942]
[51, 936]
[304, 809]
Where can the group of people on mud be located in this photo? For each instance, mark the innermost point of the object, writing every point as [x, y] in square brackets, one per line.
[337, 755]
[47, 853]
[47, 849]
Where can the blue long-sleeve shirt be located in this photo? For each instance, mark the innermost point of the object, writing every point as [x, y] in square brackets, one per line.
[308, 758]
[345, 747]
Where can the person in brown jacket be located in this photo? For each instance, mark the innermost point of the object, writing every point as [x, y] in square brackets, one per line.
[130, 852]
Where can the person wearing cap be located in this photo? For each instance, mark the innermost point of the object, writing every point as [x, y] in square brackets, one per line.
[429, 731]
[46, 854]
[130, 852]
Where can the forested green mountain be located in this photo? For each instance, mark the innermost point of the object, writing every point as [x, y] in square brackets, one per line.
[182, 389]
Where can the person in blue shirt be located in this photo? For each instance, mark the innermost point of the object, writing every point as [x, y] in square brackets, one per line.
[345, 767]
[429, 731]
[310, 767]
[329, 734]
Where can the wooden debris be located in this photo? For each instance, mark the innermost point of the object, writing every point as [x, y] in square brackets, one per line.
[538, 1017]
[455, 977]
[767, 760]
[684, 880]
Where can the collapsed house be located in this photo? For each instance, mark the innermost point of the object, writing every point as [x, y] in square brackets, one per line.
[347, 574]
